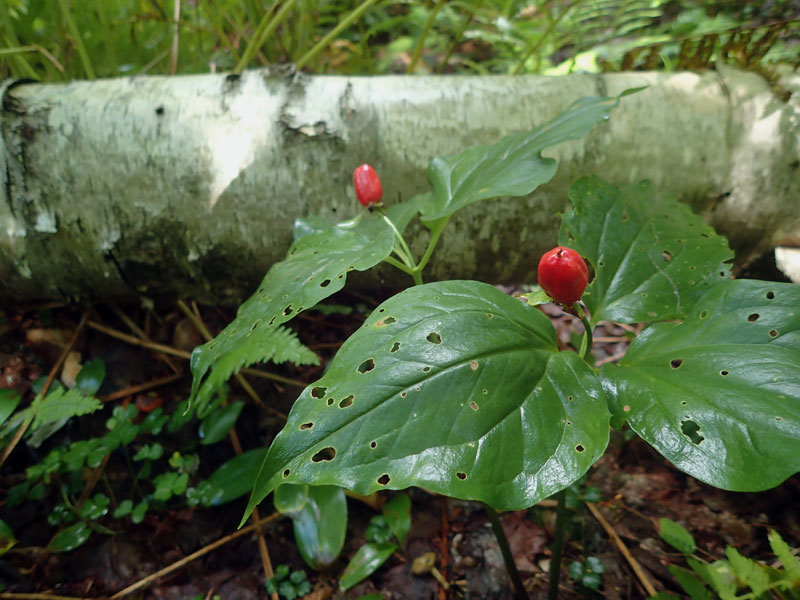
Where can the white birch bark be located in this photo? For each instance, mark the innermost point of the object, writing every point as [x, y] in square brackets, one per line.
[189, 186]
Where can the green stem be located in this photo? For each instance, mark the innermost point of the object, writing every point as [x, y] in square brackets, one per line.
[268, 24]
[586, 343]
[76, 36]
[456, 40]
[396, 263]
[519, 590]
[420, 42]
[436, 231]
[403, 246]
[538, 43]
[555, 561]
[343, 24]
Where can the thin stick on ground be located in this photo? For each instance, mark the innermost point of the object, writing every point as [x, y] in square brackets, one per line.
[637, 568]
[186, 560]
[50, 378]
[141, 335]
[142, 387]
[20, 596]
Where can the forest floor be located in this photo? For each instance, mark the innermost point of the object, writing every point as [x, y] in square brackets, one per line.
[632, 487]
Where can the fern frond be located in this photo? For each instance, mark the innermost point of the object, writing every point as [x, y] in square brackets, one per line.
[62, 404]
[276, 344]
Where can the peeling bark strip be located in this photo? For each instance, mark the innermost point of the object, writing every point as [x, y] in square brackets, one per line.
[189, 186]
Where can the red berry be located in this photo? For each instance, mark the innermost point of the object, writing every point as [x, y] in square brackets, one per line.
[563, 275]
[368, 185]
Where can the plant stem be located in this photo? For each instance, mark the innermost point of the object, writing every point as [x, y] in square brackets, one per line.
[519, 590]
[76, 37]
[406, 251]
[421, 41]
[343, 24]
[555, 561]
[586, 343]
[436, 231]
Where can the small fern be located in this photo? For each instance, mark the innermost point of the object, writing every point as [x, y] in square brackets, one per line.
[58, 405]
[728, 578]
[276, 344]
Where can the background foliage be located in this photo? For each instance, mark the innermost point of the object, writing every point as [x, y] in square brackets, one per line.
[60, 40]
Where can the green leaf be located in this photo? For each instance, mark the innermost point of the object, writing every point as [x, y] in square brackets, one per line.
[719, 393]
[676, 536]
[7, 539]
[576, 570]
[124, 509]
[139, 511]
[397, 512]
[717, 575]
[593, 581]
[364, 563]
[690, 583]
[234, 478]
[784, 553]
[91, 376]
[9, 399]
[62, 404]
[653, 258]
[514, 166]
[95, 507]
[70, 538]
[216, 425]
[319, 518]
[315, 268]
[454, 387]
[747, 570]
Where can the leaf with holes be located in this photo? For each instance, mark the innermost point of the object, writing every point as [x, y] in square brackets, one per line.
[315, 268]
[653, 258]
[455, 387]
[514, 166]
[719, 393]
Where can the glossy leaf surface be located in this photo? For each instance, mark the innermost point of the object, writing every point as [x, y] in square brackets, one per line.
[234, 478]
[514, 166]
[319, 518]
[7, 539]
[676, 536]
[315, 267]
[653, 258]
[91, 376]
[719, 393]
[216, 424]
[364, 563]
[70, 538]
[452, 386]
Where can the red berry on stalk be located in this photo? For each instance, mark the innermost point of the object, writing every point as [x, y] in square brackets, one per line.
[368, 185]
[563, 275]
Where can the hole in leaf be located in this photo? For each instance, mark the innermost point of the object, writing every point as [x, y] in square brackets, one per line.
[773, 333]
[325, 283]
[485, 391]
[473, 364]
[395, 347]
[385, 321]
[461, 476]
[366, 366]
[384, 479]
[753, 318]
[779, 418]
[306, 426]
[569, 422]
[272, 320]
[724, 373]
[690, 429]
[770, 296]
[373, 445]
[255, 325]
[330, 401]
[380, 310]
[318, 392]
[286, 473]
[676, 362]
[489, 315]
[434, 338]
[684, 403]
[287, 311]
[426, 369]
[703, 314]
[569, 398]
[666, 255]
[324, 455]
[579, 448]
[625, 217]
[403, 394]
[345, 402]
[601, 264]
[473, 406]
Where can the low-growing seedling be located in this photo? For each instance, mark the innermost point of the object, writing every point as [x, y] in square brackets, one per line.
[288, 584]
[460, 389]
[738, 577]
